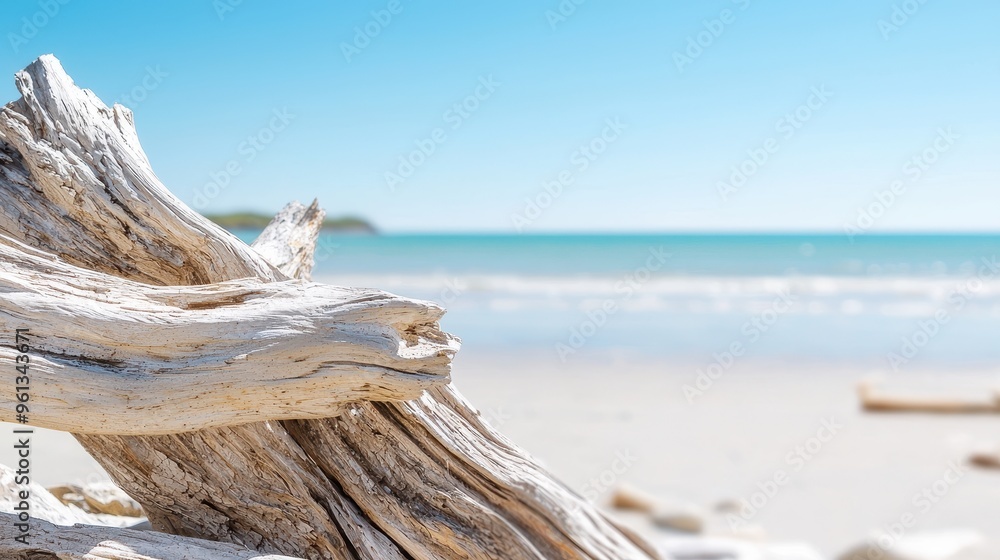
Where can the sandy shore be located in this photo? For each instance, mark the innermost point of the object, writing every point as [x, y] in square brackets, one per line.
[754, 421]
[597, 422]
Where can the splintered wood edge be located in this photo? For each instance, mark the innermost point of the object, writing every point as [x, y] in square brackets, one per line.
[111, 356]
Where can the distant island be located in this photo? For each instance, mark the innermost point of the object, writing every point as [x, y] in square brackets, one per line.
[251, 220]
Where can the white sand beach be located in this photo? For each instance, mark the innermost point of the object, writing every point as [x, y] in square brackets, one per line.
[588, 418]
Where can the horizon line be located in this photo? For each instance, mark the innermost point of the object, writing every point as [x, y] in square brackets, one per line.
[734, 232]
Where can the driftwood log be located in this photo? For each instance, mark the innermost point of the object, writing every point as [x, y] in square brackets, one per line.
[120, 357]
[99, 534]
[97, 497]
[872, 401]
[92, 239]
[47, 506]
[52, 542]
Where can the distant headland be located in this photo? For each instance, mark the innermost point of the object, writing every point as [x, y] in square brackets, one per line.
[252, 220]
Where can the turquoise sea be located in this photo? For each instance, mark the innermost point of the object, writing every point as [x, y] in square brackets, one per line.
[893, 303]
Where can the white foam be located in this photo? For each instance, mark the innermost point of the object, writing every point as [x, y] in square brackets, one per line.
[814, 295]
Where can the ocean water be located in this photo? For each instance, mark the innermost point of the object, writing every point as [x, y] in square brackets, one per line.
[892, 303]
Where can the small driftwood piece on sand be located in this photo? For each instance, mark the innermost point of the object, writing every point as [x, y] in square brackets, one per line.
[871, 401]
[985, 459]
[668, 515]
[83, 542]
[47, 506]
[103, 497]
[315, 453]
[65, 531]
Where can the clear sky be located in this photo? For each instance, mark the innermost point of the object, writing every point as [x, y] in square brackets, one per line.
[273, 101]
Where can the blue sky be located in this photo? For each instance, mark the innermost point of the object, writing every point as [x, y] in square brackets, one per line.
[537, 84]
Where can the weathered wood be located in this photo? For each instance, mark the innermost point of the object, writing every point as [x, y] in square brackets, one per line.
[422, 479]
[985, 459]
[118, 357]
[100, 497]
[44, 505]
[871, 401]
[289, 241]
[82, 542]
[672, 515]
[68, 163]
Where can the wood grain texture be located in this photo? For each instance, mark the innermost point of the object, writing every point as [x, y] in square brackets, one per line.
[289, 241]
[112, 356]
[98, 497]
[69, 164]
[82, 542]
[44, 505]
[421, 479]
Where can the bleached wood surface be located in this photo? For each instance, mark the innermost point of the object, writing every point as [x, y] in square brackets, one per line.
[81, 542]
[44, 505]
[421, 479]
[289, 241]
[117, 357]
[68, 164]
[873, 401]
[98, 497]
